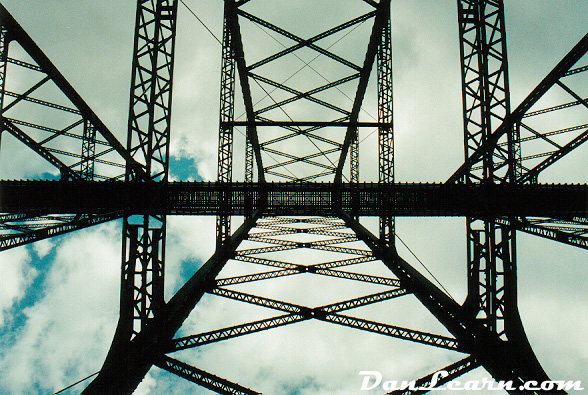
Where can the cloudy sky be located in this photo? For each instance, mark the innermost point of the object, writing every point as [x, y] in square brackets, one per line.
[59, 298]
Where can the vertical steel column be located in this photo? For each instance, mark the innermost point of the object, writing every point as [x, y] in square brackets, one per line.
[88, 150]
[143, 275]
[486, 103]
[227, 116]
[4, 44]
[248, 175]
[151, 86]
[148, 143]
[354, 163]
[248, 160]
[486, 98]
[354, 159]
[143, 240]
[385, 130]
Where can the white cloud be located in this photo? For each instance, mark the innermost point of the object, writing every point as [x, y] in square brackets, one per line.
[68, 330]
[17, 276]
[146, 386]
[190, 242]
[43, 247]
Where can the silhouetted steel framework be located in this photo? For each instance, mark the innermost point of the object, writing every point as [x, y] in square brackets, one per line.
[286, 152]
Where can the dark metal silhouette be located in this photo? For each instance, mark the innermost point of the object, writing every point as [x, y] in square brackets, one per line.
[288, 192]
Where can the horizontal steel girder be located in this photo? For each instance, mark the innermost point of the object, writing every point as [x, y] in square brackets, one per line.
[364, 199]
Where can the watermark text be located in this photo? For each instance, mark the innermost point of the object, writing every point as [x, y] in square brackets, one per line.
[374, 379]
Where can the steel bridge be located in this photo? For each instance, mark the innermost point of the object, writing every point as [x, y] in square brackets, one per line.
[301, 194]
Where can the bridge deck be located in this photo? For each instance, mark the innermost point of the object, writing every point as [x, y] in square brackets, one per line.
[364, 199]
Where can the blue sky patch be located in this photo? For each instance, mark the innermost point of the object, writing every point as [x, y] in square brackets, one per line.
[183, 169]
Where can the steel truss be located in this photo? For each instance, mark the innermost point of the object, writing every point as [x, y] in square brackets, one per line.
[385, 132]
[148, 143]
[486, 101]
[70, 138]
[143, 238]
[565, 78]
[360, 199]
[225, 145]
[492, 285]
[454, 370]
[286, 219]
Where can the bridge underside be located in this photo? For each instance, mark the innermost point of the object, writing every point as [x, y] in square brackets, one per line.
[358, 199]
[302, 135]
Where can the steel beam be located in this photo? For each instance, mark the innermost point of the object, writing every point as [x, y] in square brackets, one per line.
[236, 43]
[88, 151]
[226, 130]
[12, 31]
[562, 69]
[148, 142]
[380, 23]
[202, 378]
[187, 342]
[364, 199]
[308, 42]
[12, 240]
[43, 152]
[504, 360]
[563, 231]
[386, 130]
[491, 196]
[143, 244]
[453, 371]
[129, 360]
[491, 249]
[485, 86]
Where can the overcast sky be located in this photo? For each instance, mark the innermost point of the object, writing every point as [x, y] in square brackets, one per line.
[59, 297]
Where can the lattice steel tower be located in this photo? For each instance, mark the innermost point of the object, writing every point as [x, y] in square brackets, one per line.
[300, 209]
